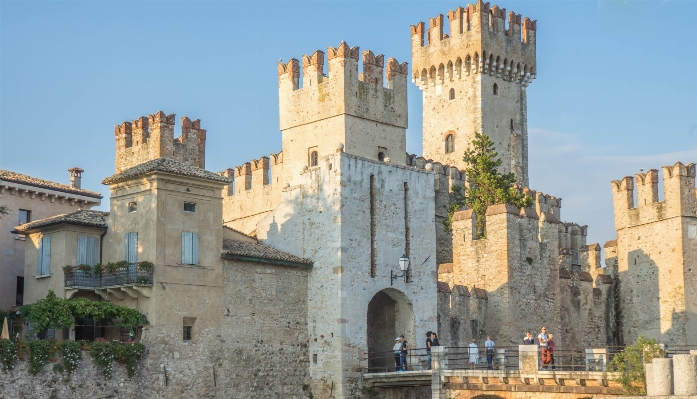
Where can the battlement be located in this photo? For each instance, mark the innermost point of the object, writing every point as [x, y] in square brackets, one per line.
[680, 196]
[255, 174]
[343, 90]
[519, 220]
[152, 137]
[478, 42]
[544, 202]
[446, 175]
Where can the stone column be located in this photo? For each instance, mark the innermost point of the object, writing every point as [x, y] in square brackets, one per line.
[648, 369]
[662, 380]
[527, 359]
[685, 374]
[437, 367]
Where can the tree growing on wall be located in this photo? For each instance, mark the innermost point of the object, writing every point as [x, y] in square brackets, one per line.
[486, 185]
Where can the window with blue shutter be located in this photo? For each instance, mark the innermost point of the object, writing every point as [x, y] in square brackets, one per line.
[131, 253]
[189, 248]
[44, 257]
[87, 250]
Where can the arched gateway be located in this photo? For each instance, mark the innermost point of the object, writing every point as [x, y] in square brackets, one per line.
[390, 314]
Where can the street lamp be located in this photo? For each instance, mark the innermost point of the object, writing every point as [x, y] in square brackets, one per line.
[403, 266]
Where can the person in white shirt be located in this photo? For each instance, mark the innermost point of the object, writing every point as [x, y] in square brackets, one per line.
[542, 339]
[473, 351]
[490, 346]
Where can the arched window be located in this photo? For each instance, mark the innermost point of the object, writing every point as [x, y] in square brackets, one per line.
[496, 89]
[449, 144]
[313, 158]
[452, 94]
[381, 156]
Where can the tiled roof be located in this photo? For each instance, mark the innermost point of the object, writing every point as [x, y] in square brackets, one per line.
[14, 177]
[166, 165]
[257, 250]
[83, 217]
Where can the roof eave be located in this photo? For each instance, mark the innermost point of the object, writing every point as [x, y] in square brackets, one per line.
[105, 227]
[267, 260]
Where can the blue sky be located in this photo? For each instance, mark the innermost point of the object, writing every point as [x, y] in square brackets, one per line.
[616, 87]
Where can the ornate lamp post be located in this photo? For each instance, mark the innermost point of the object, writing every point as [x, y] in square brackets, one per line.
[403, 267]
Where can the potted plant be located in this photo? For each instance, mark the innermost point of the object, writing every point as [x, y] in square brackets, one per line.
[68, 269]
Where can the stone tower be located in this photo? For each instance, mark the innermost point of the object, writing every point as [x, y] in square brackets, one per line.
[368, 118]
[474, 80]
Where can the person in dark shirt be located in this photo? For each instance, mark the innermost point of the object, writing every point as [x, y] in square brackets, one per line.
[403, 354]
[528, 340]
[429, 342]
[434, 340]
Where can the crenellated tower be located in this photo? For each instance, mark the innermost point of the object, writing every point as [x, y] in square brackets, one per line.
[473, 79]
[366, 113]
[152, 137]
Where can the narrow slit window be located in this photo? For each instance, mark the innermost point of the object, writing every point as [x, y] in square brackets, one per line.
[313, 159]
[449, 144]
[187, 333]
[452, 94]
[496, 89]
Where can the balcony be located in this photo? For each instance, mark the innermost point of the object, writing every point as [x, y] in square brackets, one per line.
[130, 279]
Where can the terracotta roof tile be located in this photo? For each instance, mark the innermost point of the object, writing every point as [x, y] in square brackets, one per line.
[36, 182]
[168, 166]
[82, 217]
[257, 250]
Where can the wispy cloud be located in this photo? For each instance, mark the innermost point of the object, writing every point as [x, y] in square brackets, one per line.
[579, 172]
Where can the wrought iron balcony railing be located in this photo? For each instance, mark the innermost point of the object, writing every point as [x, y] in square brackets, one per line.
[124, 276]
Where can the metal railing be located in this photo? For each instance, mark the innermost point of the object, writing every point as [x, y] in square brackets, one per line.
[569, 358]
[123, 276]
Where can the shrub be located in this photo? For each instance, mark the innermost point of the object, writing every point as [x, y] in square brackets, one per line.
[8, 354]
[630, 364]
[40, 352]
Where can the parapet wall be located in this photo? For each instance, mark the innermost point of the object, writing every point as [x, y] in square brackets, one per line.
[680, 196]
[255, 191]
[343, 90]
[152, 137]
[478, 42]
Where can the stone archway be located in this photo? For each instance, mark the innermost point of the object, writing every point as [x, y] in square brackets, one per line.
[390, 314]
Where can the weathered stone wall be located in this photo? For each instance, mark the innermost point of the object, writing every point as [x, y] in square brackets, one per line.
[150, 138]
[657, 255]
[259, 349]
[328, 219]
[474, 80]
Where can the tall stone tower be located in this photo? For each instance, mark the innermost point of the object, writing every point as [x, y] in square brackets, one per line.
[366, 116]
[474, 80]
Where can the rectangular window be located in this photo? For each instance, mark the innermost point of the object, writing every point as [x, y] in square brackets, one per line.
[189, 248]
[24, 216]
[19, 300]
[131, 253]
[132, 207]
[87, 250]
[189, 207]
[187, 333]
[44, 257]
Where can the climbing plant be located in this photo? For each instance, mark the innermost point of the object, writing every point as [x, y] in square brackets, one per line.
[486, 185]
[40, 352]
[629, 364]
[72, 355]
[8, 354]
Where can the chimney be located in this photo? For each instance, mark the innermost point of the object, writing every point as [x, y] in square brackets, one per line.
[75, 177]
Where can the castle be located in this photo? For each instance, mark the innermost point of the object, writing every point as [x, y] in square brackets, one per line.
[311, 236]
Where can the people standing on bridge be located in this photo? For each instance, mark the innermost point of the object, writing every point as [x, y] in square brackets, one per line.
[550, 347]
[542, 338]
[434, 339]
[429, 343]
[489, 346]
[528, 340]
[397, 348]
[403, 354]
[473, 351]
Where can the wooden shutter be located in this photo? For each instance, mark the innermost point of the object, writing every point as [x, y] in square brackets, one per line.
[45, 255]
[92, 250]
[187, 253]
[40, 257]
[131, 254]
[81, 250]
[194, 248]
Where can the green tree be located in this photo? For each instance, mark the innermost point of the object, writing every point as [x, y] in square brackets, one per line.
[4, 210]
[487, 186]
[629, 364]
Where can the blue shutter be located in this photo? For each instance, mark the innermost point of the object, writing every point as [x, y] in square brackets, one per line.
[92, 250]
[81, 250]
[46, 255]
[131, 254]
[194, 248]
[40, 257]
[187, 257]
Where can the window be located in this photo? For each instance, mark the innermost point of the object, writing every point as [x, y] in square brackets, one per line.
[189, 248]
[575, 260]
[19, 300]
[232, 187]
[189, 207]
[24, 216]
[87, 250]
[452, 94]
[496, 89]
[313, 158]
[449, 144]
[132, 207]
[188, 328]
[44, 257]
[131, 254]
[381, 156]
[187, 333]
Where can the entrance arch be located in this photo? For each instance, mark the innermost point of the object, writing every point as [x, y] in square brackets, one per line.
[390, 314]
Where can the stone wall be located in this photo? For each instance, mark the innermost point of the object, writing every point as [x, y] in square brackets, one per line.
[259, 350]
